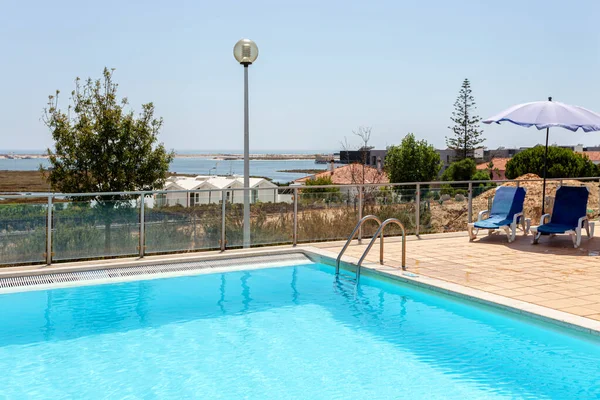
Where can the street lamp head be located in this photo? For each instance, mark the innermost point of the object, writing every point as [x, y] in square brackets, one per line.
[245, 51]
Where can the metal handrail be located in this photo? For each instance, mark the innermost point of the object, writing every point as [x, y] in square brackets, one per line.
[380, 232]
[356, 228]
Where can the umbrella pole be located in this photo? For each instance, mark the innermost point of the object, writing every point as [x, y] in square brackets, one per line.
[545, 172]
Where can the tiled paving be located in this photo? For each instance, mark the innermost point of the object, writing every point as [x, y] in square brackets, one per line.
[552, 274]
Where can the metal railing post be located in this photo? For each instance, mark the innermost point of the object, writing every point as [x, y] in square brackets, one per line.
[360, 211]
[49, 232]
[470, 203]
[418, 210]
[142, 225]
[223, 212]
[295, 233]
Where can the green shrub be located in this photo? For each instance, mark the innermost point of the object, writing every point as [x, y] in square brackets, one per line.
[562, 163]
[412, 161]
[462, 170]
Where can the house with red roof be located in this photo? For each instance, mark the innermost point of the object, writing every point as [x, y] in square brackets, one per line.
[498, 172]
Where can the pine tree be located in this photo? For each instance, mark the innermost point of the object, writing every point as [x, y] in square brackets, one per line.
[467, 135]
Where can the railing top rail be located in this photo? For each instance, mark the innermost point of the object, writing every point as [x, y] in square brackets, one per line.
[21, 195]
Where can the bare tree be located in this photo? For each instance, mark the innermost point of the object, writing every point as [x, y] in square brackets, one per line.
[364, 133]
[346, 148]
[358, 172]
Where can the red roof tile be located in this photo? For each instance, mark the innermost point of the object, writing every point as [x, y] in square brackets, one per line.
[499, 163]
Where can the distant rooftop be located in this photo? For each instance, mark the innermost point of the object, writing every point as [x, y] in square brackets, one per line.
[350, 174]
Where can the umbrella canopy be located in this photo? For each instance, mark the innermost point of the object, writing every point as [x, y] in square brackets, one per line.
[545, 115]
[548, 114]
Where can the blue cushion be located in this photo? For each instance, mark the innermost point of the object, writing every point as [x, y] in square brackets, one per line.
[493, 223]
[550, 228]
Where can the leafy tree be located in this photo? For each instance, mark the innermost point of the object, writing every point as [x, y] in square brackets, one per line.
[331, 194]
[321, 181]
[462, 170]
[412, 161]
[101, 147]
[480, 175]
[562, 163]
[467, 135]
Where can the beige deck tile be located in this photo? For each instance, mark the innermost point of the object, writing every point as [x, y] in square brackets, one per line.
[583, 311]
[509, 293]
[536, 290]
[566, 302]
[550, 295]
[530, 298]
[594, 306]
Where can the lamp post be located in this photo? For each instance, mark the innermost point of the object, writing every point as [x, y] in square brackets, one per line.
[245, 52]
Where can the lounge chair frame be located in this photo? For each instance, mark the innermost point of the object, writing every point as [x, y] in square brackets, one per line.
[510, 230]
[582, 223]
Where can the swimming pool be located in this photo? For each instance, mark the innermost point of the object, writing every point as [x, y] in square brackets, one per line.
[279, 333]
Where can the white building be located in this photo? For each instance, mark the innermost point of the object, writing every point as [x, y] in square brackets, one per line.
[211, 190]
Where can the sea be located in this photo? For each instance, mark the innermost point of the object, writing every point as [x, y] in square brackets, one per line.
[203, 165]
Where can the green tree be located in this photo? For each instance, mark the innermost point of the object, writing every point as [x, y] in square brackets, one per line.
[562, 163]
[412, 161]
[480, 175]
[321, 181]
[329, 194]
[99, 146]
[462, 170]
[467, 134]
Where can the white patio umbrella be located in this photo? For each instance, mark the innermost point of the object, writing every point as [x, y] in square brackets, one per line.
[547, 114]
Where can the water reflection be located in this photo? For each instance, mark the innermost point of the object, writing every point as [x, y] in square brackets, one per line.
[246, 291]
[221, 302]
[293, 285]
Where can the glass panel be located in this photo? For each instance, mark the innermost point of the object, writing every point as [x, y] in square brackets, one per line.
[327, 213]
[594, 200]
[483, 196]
[22, 231]
[91, 229]
[390, 202]
[271, 217]
[444, 208]
[172, 225]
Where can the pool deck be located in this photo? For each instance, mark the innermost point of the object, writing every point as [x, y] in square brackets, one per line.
[551, 274]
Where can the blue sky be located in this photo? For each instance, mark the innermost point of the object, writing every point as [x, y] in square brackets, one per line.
[325, 67]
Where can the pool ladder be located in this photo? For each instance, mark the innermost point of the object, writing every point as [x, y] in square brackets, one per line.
[379, 232]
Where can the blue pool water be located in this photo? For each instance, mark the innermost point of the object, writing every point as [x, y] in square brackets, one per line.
[281, 333]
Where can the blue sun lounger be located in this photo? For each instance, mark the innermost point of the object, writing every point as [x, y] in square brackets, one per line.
[569, 215]
[506, 214]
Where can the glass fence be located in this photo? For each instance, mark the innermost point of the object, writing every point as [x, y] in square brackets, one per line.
[42, 229]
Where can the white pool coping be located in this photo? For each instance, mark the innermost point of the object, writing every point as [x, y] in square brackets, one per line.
[316, 254]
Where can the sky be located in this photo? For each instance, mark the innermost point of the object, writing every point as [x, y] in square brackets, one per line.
[324, 67]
